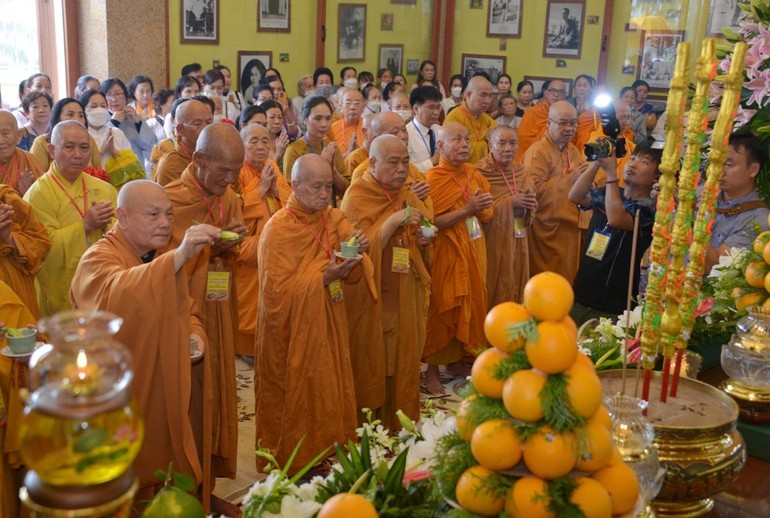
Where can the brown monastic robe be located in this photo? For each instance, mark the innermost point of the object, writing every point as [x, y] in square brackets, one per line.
[171, 165]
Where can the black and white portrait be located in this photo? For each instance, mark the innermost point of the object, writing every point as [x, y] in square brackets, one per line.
[251, 69]
[658, 57]
[492, 66]
[504, 18]
[391, 57]
[351, 44]
[274, 16]
[725, 14]
[200, 21]
[564, 29]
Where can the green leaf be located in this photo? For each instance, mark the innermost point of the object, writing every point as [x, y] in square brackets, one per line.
[159, 474]
[366, 457]
[91, 439]
[184, 482]
[394, 480]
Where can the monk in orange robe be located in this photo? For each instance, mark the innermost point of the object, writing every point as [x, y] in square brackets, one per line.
[348, 131]
[191, 117]
[360, 154]
[123, 274]
[387, 335]
[477, 98]
[555, 164]
[264, 192]
[534, 123]
[507, 234]
[458, 300]
[204, 195]
[303, 377]
[24, 242]
[18, 168]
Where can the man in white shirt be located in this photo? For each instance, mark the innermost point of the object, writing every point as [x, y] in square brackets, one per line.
[426, 106]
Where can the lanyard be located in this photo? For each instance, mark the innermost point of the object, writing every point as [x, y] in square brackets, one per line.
[184, 149]
[389, 197]
[513, 189]
[427, 145]
[311, 147]
[473, 122]
[466, 190]
[327, 248]
[72, 200]
[13, 165]
[209, 208]
[568, 164]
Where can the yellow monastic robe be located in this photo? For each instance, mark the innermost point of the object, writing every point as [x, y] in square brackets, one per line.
[300, 147]
[344, 132]
[60, 206]
[477, 129]
[171, 165]
[356, 158]
[507, 255]
[40, 150]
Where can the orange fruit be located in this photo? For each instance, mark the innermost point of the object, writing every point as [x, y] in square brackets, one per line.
[464, 425]
[766, 253]
[496, 445]
[766, 306]
[755, 273]
[597, 447]
[550, 455]
[591, 497]
[571, 325]
[497, 322]
[585, 361]
[482, 373]
[761, 241]
[554, 350]
[548, 296]
[346, 504]
[521, 395]
[601, 416]
[621, 483]
[584, 390]
[172, 501]
[766, 283]
[751, 298]
[529, 499]
[472, 494]
[615, 458]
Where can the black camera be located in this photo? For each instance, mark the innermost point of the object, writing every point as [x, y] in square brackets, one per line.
[602, 148]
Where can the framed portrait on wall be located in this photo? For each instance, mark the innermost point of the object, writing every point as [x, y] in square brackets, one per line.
[564, 29]
[725, 14]
[492, 65]
[351, 40]
[504, 19]
[199, 21]
[657, 57]
[251, 69]
[274, 15]
[539, 81]
[391, 57]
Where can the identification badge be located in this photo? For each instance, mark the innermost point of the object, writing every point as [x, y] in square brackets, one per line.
[519, 230]
[400, 260]
[218, 286]
[335, 290]
[474, 228]
[598, 245]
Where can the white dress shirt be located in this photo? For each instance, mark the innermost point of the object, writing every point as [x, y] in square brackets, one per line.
[419, 144]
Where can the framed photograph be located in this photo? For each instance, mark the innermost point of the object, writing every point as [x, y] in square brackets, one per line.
[391, 57]
[406, 2]
[412, 66]
[386, 22]
[564, 29]
[477, 4]
[199, 21]
[274, 16]
[492, 65]
[725, 14]
[539, 81]
[251, 69]
[657, 57]
[351, 43]
[504, 19]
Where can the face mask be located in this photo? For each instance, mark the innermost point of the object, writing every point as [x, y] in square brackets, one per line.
[310, 93]
[404, 114]
[457, 91]
[98, 117]
[323, 90]
[383, 85]
[217, 117]
[374, 106]
[351, 83]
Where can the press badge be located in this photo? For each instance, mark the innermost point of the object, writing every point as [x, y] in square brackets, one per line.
[218, 286]
[599, 243]
[519, 230]
[400, 260]
[335, 291]
[474, 228]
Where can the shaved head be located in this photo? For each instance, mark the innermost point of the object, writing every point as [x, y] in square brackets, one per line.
[6, 117]
[9, 136]
[382, 144]
[66, 126]
[399, 101]
[256, 141]
[623, 113]
[311, 182]
[191, 117]
[145, 216]
[218, 157]
[454, 143]
[389, 161]
[562, 123]
[503, 143]
[138, 190]
[478, 95]
[563, 110]
[388, 123]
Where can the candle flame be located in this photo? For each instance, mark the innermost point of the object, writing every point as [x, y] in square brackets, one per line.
[82, 362]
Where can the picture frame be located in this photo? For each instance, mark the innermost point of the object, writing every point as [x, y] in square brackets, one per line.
[657, 56]
[494, 66]
[476, 4]
[412, 66]
[391, 56]
[564, 29]
[404, 2]
[504, 19]
[386, 22]
[351, 29]
[538, 81]
[251, 69]
[199, 22]
[725, 14]
[273, 15]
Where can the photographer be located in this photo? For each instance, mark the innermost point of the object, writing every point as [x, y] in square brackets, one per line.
[601, 283]
[624, 118]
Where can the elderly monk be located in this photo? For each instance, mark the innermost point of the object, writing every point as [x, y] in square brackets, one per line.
[264, 192]
[458, 300]
[203, 194]
[623, 114]
[534, 123]
[387, 335]
[303, 378]
[123, 274]
[355, 158]
[555, 164]
[18, 168]
[76, 209]
[515, 206]
[191, 117]
[348, 131]
[477, 98]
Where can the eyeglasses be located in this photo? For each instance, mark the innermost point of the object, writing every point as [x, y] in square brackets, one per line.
[114, 95]
[565, 124]
[625, 117]
[357, 102]
[556, 91]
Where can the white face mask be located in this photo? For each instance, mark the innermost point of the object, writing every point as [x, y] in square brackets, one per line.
[374, 106]
[383, 85]
[457, 91]
[404, 114]
[217, 117]
[351, 83]
[98, 117]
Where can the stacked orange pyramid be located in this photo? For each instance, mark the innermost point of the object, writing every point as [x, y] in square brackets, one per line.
[550, 451]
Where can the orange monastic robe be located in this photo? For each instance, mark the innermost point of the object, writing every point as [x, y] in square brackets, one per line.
[171, 165]
[458, 298]
[588, 122]
[19, 265]
[356, 158]
[477, 129]
[20, 161]
[507, 255]
[155, 304]
[387, 336]
[303, 377]
[555, 243]
[213, 382]
[343, 132]
[532, 128]
[256, 212]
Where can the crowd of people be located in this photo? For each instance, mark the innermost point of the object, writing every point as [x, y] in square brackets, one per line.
[117, 198]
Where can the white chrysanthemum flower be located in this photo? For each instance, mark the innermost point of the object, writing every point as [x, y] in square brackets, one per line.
[293, 507]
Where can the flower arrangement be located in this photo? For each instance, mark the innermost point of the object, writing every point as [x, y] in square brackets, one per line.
[97, 172]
